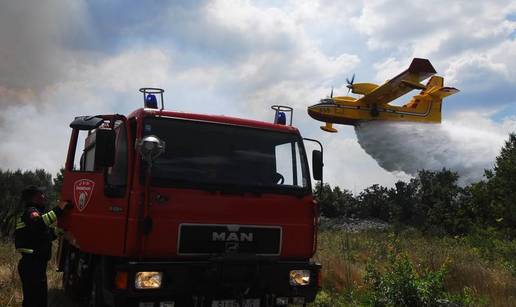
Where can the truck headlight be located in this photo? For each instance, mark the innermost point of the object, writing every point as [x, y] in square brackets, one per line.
[148, 280]
[299, 277]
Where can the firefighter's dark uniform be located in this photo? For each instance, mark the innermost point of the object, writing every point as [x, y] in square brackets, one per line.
[33, 239]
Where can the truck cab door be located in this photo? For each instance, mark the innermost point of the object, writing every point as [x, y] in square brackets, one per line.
[98, 187]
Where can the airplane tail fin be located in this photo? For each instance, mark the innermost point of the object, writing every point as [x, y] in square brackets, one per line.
[432, 96]
[430, 99]
[435, 81]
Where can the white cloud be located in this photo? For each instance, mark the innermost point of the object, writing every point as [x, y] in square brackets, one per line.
[469, 41]
[389, 68]
[397, 24]
[475, 70]
[486, 79]
[278, 63]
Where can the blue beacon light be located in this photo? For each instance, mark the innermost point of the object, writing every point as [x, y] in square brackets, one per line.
[281, 118]
[151, 101]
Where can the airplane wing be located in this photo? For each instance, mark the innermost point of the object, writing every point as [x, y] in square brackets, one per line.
[410, 79]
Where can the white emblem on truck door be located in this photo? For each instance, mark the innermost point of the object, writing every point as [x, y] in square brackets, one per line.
[82, 192]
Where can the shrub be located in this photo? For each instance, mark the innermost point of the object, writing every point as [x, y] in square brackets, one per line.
[326, 299]
[401, 285]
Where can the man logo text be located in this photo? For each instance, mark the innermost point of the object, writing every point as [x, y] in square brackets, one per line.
[232, 236]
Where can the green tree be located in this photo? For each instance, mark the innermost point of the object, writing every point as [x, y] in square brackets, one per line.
[374, 202]
[401, 201]
[11, 185]
[440, 202]
[502, 186]
[335, 203]
[58, 181]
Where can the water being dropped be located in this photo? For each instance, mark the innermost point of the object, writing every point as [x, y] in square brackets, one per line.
[410, 147]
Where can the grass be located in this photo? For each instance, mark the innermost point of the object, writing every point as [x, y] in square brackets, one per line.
[479, 269]
[10, 286]
[469, 273]
[10, 293]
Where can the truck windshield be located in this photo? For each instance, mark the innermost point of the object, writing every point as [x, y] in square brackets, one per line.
[210, 155]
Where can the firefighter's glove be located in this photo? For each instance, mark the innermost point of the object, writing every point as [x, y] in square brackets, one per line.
[63, 204]
[58, 232]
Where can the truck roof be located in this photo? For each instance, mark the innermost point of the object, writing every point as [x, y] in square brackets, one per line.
[222, 119]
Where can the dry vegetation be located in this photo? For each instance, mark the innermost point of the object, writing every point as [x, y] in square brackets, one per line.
[10, 294]
[344, 257]
[10, 286]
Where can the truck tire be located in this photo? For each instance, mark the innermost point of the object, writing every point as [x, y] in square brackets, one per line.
[69, 278]
[95, 298]
[76, 275]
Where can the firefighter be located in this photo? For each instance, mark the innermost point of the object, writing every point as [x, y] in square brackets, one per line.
[33, 239]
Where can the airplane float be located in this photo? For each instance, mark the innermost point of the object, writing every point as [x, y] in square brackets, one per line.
[374, 104]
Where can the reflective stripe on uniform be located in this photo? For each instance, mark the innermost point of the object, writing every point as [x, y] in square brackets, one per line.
[19, 223]
[46, 219]
[52, 216]
[25, 250]
[49, 218]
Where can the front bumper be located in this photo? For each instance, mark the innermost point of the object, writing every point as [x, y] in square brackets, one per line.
[203, 281]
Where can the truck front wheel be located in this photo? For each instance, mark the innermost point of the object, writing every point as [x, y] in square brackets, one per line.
[96, 299]
[69, 274]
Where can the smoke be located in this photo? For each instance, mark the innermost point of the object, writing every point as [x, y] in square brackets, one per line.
[36, 37]
[467, 145]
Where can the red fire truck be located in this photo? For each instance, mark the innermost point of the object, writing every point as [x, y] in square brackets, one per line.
[180, 209]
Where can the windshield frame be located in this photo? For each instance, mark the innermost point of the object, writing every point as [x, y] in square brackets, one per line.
[233, 188]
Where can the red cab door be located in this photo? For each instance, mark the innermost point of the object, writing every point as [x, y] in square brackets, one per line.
[96, 223]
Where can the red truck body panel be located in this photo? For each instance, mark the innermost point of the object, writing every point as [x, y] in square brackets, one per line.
[103, 225]
[184, 206]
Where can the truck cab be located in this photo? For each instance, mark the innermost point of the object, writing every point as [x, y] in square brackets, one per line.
[181, 209]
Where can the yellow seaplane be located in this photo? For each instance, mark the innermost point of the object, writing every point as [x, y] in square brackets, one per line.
[374, 104]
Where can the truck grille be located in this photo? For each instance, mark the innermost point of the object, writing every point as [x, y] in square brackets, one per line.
[201, 239]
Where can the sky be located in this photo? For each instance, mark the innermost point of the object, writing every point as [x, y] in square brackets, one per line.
[60, 59]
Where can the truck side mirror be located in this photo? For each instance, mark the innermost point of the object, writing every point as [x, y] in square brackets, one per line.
[105, 148]
[150, 148]
[317, 164]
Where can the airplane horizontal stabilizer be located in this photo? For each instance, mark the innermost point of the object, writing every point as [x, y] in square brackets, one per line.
[443, 91]
[435, 87]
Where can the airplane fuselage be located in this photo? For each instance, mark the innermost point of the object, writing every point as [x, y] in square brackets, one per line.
[346, 111]
[374, 103]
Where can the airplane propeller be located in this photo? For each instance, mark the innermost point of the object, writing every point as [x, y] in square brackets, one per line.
[350, 83]
[331, 94]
